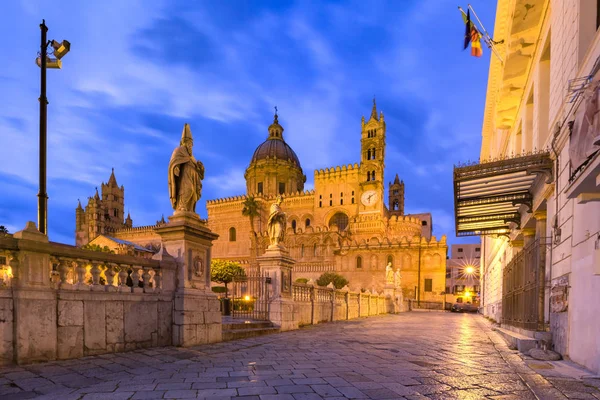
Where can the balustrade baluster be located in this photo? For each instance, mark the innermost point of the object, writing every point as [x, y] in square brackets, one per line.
[81, 270]
[146, 279]
[64, 267]
[157, 281]
[110, 277]
[123, 274]
[135, 278]
[96, 271]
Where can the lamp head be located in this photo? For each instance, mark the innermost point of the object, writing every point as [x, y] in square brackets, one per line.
[50, 62]
[60, 49]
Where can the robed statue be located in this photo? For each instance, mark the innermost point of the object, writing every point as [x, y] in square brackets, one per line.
[185, 175]
[277, 223]
[389, 273]
[397, 278]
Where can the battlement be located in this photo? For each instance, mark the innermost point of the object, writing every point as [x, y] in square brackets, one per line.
[336, 171]
[404, 219]
[144, 228]
[261, 196]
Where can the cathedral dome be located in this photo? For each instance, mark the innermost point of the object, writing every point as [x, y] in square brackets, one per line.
[274, 167]
[275, 146]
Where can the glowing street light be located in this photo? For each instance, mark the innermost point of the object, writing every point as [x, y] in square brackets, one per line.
[469, 270]
[247, 298]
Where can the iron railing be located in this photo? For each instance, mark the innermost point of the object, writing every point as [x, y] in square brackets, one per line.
[250, 296]
[523, 287]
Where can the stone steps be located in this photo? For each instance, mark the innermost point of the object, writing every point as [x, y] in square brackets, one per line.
[234, 331]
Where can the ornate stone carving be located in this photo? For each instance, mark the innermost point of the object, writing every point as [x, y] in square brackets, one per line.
[277, 223]
[389, 274]
[198, 266]
[185, 175]
[397, 278]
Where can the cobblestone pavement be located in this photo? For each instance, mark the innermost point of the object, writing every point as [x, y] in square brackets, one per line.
[418, 355]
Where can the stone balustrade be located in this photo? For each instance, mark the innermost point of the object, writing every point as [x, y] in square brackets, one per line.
[60, 302]
[315, 304]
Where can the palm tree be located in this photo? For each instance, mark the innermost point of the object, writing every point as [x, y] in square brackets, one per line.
[251, 210]
[3, 230]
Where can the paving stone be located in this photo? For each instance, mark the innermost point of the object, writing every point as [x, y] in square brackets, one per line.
[155, 394]
[181, 394]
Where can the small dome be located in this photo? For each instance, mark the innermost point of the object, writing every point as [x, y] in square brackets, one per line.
[275, 146]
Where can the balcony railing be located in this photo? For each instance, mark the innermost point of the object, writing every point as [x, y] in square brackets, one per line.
[523, 288]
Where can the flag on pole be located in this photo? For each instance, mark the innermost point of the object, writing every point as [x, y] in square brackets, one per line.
[472, 35]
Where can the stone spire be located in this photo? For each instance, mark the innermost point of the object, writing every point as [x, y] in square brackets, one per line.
[374, 110]
[79, 205]
[96, 196]
[396, 180]
[186, 134]
[112, 181]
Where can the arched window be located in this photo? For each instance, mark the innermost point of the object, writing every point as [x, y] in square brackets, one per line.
[315, 249]
[294, 225]
[396, 206]
[302, 251]
[368, 176]
[307, 222]
[374, 132]
[369, 154]
[232, 234]
[390, 259]
[340, 220]
[359, 262]
[372, 154]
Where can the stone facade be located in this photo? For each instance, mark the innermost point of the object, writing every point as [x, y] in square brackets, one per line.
[343, 225]
[102, 214]
[462, 273]
[531, 105]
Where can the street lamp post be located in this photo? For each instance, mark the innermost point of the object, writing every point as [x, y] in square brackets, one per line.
[44, 62]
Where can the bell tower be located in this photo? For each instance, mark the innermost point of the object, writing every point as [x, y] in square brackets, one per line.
[396, 197]
[372, 166]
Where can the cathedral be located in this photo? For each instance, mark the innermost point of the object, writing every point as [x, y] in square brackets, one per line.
[343, 225]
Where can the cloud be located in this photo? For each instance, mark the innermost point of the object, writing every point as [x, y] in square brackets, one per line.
[230, 181]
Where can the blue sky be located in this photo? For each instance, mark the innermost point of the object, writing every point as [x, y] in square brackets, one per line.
[138, 70]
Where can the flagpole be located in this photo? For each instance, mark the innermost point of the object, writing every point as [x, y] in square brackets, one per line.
[486, 37]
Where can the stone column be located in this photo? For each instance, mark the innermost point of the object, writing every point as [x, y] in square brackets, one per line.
[196, 315]
[529, 236]
[34, 318]
[278, 265]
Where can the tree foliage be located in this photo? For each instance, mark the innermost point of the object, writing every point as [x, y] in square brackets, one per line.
[95, 247]
[251, 210]
[223, 271]
[3, 230]
[338, 280]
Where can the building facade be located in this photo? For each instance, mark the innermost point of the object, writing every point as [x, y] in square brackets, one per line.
[342, 226]
[539, 211]
[462, 273]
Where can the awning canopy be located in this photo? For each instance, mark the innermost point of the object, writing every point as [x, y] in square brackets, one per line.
[487, 196]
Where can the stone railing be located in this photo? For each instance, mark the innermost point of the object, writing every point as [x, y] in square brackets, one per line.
[315, 304]
[60, 302]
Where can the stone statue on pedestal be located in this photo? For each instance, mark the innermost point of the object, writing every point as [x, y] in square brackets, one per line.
[277, 223]
[397, 278]
[185, 175]
[389, 274]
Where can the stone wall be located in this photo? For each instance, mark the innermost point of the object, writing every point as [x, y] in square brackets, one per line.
[63, 302]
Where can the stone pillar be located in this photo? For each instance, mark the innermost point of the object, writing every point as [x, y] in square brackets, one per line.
[34, 301]
[196, 315]
[391, 295]
[529, 236]
[540, 224]
[278, 265]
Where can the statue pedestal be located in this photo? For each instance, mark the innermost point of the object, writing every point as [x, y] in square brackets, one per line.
[278, 265]
[394, 294]
[196, 316]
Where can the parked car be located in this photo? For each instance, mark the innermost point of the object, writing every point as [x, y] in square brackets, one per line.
[464, 307]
